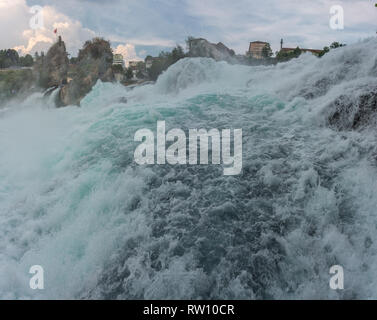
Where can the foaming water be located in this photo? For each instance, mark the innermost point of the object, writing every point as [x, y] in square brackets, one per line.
[73, 201]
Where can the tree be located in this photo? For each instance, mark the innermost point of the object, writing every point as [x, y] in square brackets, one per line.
[284, 56]
[177, 54]
[266, 51]
[96, 48]
[9, 58]
[335, 45]
[164, 61]
[117, 68]
[156, 69]
[188, 42]
[297, 52]
[26, 61]
[324, 51]
[129, 73]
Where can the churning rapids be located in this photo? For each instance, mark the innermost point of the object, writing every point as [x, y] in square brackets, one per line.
[73, 200]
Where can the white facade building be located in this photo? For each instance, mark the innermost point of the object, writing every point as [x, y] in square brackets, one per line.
[118, 60]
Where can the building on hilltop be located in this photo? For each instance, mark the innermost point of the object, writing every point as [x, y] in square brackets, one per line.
[118, 60]
[137, 64]
[313, 51]
[290, 50]
[138, 68]
[256, 49]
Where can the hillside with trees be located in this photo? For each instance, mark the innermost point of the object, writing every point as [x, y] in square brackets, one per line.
[10, 58]
[164, 61]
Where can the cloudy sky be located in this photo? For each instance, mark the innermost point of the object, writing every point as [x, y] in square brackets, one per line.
[140, 27]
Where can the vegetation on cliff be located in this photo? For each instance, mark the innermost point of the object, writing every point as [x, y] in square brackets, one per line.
[94, 63]
[51, 70]
[75, 77]
[284, 56]
[164, 61]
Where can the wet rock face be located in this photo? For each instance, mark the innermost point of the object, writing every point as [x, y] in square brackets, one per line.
[52, 69]
[203, 48]
[94, 63]
[349, 113]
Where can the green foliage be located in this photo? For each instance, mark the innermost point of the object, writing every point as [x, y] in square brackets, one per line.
[95, 48]
[9, 58]
[266, 51]
[156, 69]
[117, 68]
[297, 52]
[334, 45]
[164, 61]
[129, 73]
[176, 54]
[26, 61]
[324, 51]
[284, 56]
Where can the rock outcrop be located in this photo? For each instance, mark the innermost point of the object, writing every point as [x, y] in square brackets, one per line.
[351, 113]
[94, 63]
[51, 70]
[202, 48]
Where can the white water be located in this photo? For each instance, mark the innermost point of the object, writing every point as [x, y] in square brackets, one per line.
[73, 201]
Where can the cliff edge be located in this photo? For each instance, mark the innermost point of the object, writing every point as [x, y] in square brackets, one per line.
[94, 63]
[51, 70]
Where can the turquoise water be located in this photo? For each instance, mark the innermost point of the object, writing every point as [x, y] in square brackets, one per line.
[73, 200]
